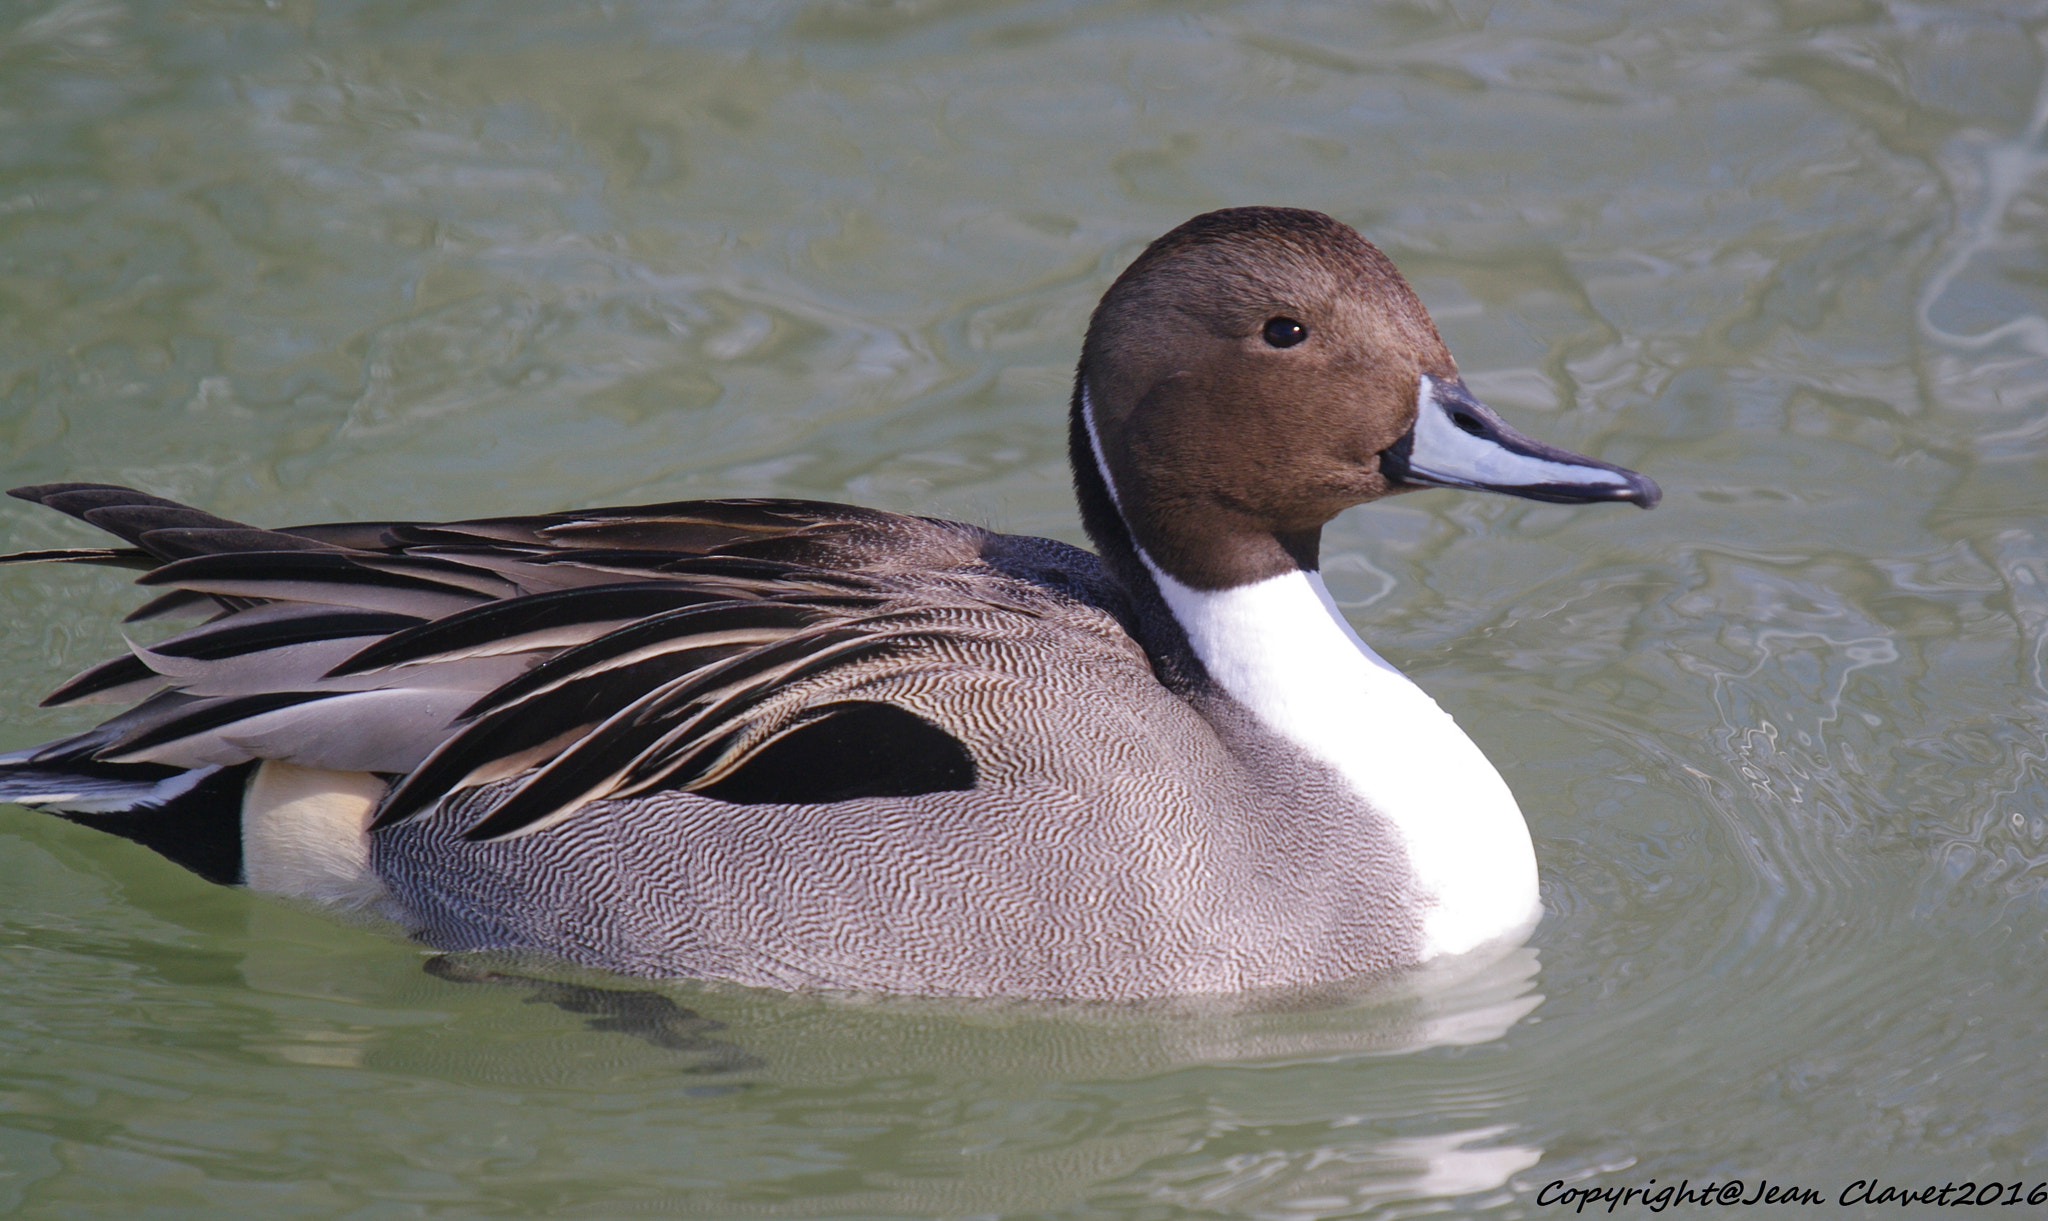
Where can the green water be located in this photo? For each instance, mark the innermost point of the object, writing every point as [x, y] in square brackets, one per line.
[1783, 743]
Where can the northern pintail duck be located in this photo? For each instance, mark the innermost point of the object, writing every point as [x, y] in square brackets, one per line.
[807, 745]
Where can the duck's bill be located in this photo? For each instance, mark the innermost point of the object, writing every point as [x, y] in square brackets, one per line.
[1458, 442]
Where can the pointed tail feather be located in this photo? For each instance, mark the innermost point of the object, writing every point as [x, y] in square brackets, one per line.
[192, 816]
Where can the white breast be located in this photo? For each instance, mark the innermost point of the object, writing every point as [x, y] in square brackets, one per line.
[1280, 648]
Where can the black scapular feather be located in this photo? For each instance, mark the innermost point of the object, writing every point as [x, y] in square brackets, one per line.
[627, 743]
[579, 703]
[675, 628]
[512, 617]
[211, 714]
[234, 639]
[117, 672]
[324, 566]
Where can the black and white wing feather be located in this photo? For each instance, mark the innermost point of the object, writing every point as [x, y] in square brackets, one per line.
[751, 651]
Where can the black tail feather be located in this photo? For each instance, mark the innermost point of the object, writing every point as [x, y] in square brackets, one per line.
[199, 827]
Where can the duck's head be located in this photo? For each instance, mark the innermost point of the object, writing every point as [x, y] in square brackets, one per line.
[1259, 370]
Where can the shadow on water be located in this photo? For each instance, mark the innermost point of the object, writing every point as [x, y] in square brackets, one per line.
[643, 1014]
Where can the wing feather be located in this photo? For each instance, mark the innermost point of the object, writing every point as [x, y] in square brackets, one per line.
[685, 633]
[362, 731]
[582, 687]
[627, 753]
[420, 587]
[553, 620]
[708, 646]
[117, 681]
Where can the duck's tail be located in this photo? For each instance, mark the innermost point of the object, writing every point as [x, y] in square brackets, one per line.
[266, 824]
[233, 819]
[191, 815]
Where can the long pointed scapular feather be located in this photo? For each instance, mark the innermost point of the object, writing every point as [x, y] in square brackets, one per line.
[586, 686]
[581, 655]
[557, 619]
[718, 624]
[595, 766]
[118, 680]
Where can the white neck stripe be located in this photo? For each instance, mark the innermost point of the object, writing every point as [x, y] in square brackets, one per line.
[1102, 463]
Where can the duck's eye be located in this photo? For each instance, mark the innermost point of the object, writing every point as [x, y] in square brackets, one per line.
[1285, 332]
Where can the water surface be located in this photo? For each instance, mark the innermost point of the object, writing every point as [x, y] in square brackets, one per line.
[1781, 742]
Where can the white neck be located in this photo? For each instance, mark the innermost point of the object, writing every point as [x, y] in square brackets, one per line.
[1281, 648]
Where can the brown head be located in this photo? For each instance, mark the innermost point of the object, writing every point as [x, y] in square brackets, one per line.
[1259, 370]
